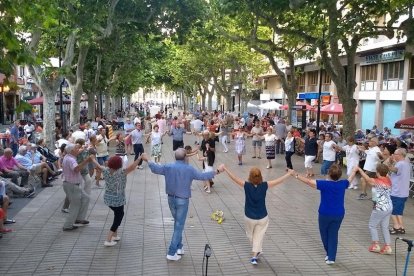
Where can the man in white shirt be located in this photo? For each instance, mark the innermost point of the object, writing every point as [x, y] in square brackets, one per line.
[28, 130]
[197, 124]
[328, 153]
[371, 161]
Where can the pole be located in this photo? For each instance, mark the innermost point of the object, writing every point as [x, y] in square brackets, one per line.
[318, 115]
[61, 83]
[240, 92]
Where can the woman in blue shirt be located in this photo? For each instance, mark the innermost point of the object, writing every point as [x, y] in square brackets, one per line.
[255, 212]
[331, 208]
[115, 183]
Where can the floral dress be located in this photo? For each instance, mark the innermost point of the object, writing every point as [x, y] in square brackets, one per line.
[240, 146]
[155, 144]
[115, 184]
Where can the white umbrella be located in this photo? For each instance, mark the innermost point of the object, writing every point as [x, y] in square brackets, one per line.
[272, 105]
[251, 105]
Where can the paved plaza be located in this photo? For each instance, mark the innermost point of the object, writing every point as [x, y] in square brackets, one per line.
[292, 246]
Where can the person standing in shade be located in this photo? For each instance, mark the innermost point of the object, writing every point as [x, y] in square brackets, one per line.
[255, 212]
[311, 151]
[270, 146]
[331, 208]
[178, 179]
[115, 183]
[280, 131]
[289, 149]
[352, 159]
[72, 180]
[14, 137]
[102, 153]
[177, 133]
[257, 133]
[137, 136]
[328, 154]
[373, 157]
[128, 128]
[400, 189]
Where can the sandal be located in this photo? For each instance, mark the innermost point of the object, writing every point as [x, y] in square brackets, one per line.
[395, 231]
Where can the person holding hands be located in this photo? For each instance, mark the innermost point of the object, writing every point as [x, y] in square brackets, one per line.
[331, 208]
[255, 211]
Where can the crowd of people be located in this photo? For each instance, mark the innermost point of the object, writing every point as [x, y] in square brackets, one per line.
[373, 159]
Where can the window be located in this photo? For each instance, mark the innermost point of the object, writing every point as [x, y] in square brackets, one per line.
[369, 72]
[21, 71]
[313, 78]
[393, 75]
[301, 82]
[369, 77]
[411, 76]
[265, 81]
[326, 79]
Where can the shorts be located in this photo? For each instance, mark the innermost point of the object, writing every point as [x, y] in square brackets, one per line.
[36, 168]
[102, 159]
[371, 174]
[257, 143]
[398, 204]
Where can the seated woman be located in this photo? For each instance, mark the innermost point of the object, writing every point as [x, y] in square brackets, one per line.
[47, 153]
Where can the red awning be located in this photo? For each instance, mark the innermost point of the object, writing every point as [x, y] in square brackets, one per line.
[333, 108]
[407, 123]
[308, 107]
[39, 101]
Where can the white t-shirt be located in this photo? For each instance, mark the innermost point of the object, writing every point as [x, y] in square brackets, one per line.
[79, 134]
[352, 154]
[372, 159]
[155, 138]
[329, 152]
[29, 129]
[197, 124]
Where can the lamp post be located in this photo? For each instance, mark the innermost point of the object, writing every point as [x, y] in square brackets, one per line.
[318, 115]
[4, 89]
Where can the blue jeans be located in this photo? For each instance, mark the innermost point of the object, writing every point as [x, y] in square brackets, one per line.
[329, 228]
[325, 166]
[179, 209]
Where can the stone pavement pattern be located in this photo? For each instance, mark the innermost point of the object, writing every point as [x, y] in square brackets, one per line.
[292, 245]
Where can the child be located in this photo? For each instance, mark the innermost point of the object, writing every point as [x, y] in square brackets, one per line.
[381, 212]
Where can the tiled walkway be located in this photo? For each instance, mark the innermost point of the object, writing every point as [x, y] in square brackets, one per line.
[38, 246]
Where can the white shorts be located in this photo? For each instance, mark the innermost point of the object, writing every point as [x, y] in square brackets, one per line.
[308, 161]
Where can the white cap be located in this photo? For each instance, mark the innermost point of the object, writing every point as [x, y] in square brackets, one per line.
[99, 127]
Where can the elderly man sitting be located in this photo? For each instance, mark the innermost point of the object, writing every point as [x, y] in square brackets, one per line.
[24, 158]
[13, 169]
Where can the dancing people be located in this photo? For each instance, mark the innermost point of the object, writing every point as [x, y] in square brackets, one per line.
[178, 179]
[289, 149]
[256, 218]
[240, 144]
[381, 212]
[331, 208]
[311, 151]
[352, 160]
[115, 183]
[270, 146]
[257, 133]
[156, 141]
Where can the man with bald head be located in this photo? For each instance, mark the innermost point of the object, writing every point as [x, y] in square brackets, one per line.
[178, 179]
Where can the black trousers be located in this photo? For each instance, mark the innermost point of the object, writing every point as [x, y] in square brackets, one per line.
[288, 158]
[138, 150]
[178, 144]
[118, 216]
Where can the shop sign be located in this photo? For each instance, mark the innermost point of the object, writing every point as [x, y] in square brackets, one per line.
[384, 57]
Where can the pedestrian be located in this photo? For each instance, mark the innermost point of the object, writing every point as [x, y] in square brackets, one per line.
[270, 146]
[177, 133]
[373, 156]
[102, 153]
[14, 137]
[289, 149]
[382, 209]
[257, 133]
[114, 197]
[352, 160]
[72, 180]
[224, 135]
[128, 128]
[178, 179]
[240, 144]
[400, 189]
[328, 153]
[255, 212]
[136, 137]
[331, 207]
[281, 132]
[156, 138]
[311, 151]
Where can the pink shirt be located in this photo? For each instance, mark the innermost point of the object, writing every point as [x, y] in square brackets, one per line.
[8, 164]
[68, 165]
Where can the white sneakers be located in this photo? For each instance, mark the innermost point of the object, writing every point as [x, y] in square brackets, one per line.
[180, 251]
[140, 167]
[116, 238]
[176, 257]
[110, 243]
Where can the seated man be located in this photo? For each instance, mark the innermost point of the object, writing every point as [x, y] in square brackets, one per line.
[23, 158]
[12, 169]
[14, 190]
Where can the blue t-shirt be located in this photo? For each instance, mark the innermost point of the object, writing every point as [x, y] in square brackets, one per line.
[255, 205]
[332, 196]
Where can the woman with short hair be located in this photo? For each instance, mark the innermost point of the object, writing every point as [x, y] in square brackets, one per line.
[255, 211]
[331, 208]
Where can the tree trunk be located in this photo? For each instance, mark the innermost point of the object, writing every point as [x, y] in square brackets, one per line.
[91, 106]
[95, 87]
[228, 103]
[210, 99]
[107, 111]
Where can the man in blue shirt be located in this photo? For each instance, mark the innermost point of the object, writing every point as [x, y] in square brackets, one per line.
[178, 136]
[14, 137]
[178, 179]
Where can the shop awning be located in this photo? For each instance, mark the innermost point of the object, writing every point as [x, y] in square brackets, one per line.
[333, 108]
[311, 95]
[39, 101]
[407, 123]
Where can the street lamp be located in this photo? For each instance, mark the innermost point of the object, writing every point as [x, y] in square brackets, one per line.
[4, 89]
